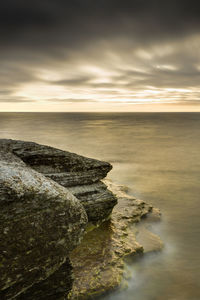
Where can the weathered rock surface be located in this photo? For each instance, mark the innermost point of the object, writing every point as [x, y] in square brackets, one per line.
[56, 287]
[40, 223]
[98, 262]
[80, 174]
[97, 200]
[47, 197]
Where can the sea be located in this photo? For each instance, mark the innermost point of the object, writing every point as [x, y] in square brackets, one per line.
[157, 155]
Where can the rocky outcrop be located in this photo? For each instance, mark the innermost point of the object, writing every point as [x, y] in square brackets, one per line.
[46, 198]
[81, 175]
[40, 223]
[99, 261]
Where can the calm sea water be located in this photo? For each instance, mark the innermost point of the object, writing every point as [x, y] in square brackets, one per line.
[158, 156]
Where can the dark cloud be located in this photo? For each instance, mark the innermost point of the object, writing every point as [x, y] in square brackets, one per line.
[81, 80]
[14, 99]
[141, 43]
[5, 92]
[12, 74]
[49, 23]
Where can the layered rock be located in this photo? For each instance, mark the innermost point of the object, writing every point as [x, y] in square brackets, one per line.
[47, 197]
[40, 223]
[99, 261]
[81, 175]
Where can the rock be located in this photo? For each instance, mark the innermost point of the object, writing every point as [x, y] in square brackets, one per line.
[97, 200]
[40, 223]
[47, 197]
[99, 261]
[150, 241]
[79, 174]
[55, 287]
[66, 168]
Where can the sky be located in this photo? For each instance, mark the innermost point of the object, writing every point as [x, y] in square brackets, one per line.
[99, 55]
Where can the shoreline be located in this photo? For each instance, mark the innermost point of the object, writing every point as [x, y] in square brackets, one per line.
[80, 251]
[99, 261]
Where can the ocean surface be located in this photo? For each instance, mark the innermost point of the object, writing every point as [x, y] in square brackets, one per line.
[158, 156]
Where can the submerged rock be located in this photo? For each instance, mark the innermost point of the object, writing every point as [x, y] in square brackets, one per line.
[99, 261]
[80, 174]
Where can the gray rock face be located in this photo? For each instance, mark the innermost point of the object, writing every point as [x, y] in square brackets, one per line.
[41, 220]
[56, 287]
[97, 200]
[68, 169]
[40, 223]
[81, 175]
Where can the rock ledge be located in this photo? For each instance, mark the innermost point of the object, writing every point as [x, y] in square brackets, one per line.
[99, 261]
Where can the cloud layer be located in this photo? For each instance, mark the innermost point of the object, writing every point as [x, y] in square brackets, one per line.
[99, 51]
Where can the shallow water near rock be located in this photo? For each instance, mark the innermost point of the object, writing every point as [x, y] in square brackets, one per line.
[157, 156]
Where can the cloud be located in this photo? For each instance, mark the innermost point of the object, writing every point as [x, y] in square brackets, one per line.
[72, 100]
[77, 81]
[75, 21]
[99, 50]
[14, 99]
